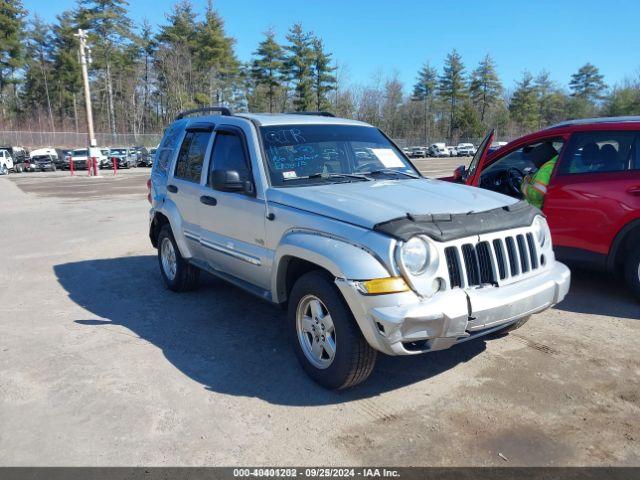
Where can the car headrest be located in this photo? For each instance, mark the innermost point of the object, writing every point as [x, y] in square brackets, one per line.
[609, 153]
[590, 153]
[542, 154]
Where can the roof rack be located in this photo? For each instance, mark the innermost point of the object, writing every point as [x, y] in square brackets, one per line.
[582, 121]
[319, 114]
[223, 111]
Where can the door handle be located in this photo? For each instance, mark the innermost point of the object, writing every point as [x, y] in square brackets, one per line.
[172, 188]
[208, 200]
[634, 191]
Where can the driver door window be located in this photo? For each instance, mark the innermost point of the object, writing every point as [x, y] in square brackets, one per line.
[505, 175]
[229, 153]
[528, 158]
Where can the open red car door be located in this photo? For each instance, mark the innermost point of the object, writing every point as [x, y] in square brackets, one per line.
[471, 175]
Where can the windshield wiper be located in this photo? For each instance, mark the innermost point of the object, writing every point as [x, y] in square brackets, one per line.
[391, 170]
[330, 175]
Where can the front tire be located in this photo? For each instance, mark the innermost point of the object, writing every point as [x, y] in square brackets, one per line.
[632, 272]
[178, 274]
[325, 336]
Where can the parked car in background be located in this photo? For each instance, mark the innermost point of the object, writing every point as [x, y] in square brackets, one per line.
[6, 162]
[418, 152]
[124, 157]
[466, 150]
[452, 151]
[20, 158]
[43, 163]
[495, 146]
[144, 157]
[79, 157]
[152, 155]
[592, 201]
[364, 254]
[438, 150]
[47, 158]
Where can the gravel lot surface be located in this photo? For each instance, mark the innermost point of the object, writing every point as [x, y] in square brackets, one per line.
[100, 365]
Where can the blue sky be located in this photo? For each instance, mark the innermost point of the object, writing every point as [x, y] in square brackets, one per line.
[370, 36]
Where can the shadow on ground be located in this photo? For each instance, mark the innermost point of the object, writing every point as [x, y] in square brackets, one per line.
[598, 294]
[224, 338]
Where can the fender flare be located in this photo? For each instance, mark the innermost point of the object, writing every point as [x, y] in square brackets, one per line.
[170, 210]
[340, 257]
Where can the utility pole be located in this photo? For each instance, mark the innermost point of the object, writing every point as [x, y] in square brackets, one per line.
[82, 37]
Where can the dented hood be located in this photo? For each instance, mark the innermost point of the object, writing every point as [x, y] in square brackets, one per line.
[369, 203]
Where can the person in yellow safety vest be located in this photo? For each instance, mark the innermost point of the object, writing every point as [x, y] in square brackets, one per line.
[534, 186]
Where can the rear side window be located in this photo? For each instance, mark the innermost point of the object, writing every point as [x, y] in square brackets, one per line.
[168, 145]
[600, 152]
[228, 153]
[191, 156]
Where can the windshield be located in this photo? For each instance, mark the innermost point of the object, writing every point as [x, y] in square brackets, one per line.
[118, 151]
[312, 154]
[82, 152]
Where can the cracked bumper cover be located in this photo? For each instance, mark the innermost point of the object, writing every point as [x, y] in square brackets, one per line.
[405, 324]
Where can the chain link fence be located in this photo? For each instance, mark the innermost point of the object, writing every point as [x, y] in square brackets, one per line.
[32, 140]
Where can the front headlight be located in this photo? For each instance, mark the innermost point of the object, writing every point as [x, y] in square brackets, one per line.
[414, 255]
[540, 230]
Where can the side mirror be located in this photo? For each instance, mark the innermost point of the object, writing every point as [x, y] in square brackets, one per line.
[230, 181]
[460, 174]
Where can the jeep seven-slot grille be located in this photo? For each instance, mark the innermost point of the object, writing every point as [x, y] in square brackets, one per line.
[488, 262]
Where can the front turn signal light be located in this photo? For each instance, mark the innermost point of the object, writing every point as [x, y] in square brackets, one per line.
[379, 286]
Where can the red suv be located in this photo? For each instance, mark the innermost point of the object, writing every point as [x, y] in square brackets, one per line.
[593, 199]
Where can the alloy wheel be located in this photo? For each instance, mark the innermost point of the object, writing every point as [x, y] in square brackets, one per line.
[316, 332]
[168, 257]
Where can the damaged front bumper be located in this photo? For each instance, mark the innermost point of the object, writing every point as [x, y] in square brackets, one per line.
[405, 324]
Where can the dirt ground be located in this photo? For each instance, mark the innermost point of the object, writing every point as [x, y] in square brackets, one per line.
[101, 365]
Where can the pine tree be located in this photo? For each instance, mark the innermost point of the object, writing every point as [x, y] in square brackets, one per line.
[37, 76]
[551, 100]
[524, 103]
[424, 92]
[181, 27]
[215, 59]
[485, 88]
[148, 45]
[110, 31]
[11, 48]
[300, 67]
[623, 100]
[267, 68]
[467, 121]
[324, 79]
[452, 85]
[392, 107]
[587, 83]
[66, 75]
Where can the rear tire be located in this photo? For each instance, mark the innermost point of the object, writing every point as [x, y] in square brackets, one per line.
[178, 274]
[632, 272]
[318, 313]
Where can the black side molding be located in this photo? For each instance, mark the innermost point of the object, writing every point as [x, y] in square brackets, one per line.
[445, 227]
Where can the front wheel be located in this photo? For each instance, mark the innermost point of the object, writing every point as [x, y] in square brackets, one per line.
[325, 336]
[4, 170]
[632, 272]
[178, 274]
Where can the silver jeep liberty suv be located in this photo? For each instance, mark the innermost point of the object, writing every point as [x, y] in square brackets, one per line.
[327, 217]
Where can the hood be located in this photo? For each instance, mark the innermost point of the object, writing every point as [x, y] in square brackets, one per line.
[368, 203]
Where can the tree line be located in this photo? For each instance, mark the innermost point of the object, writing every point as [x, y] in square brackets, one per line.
[142, 76]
